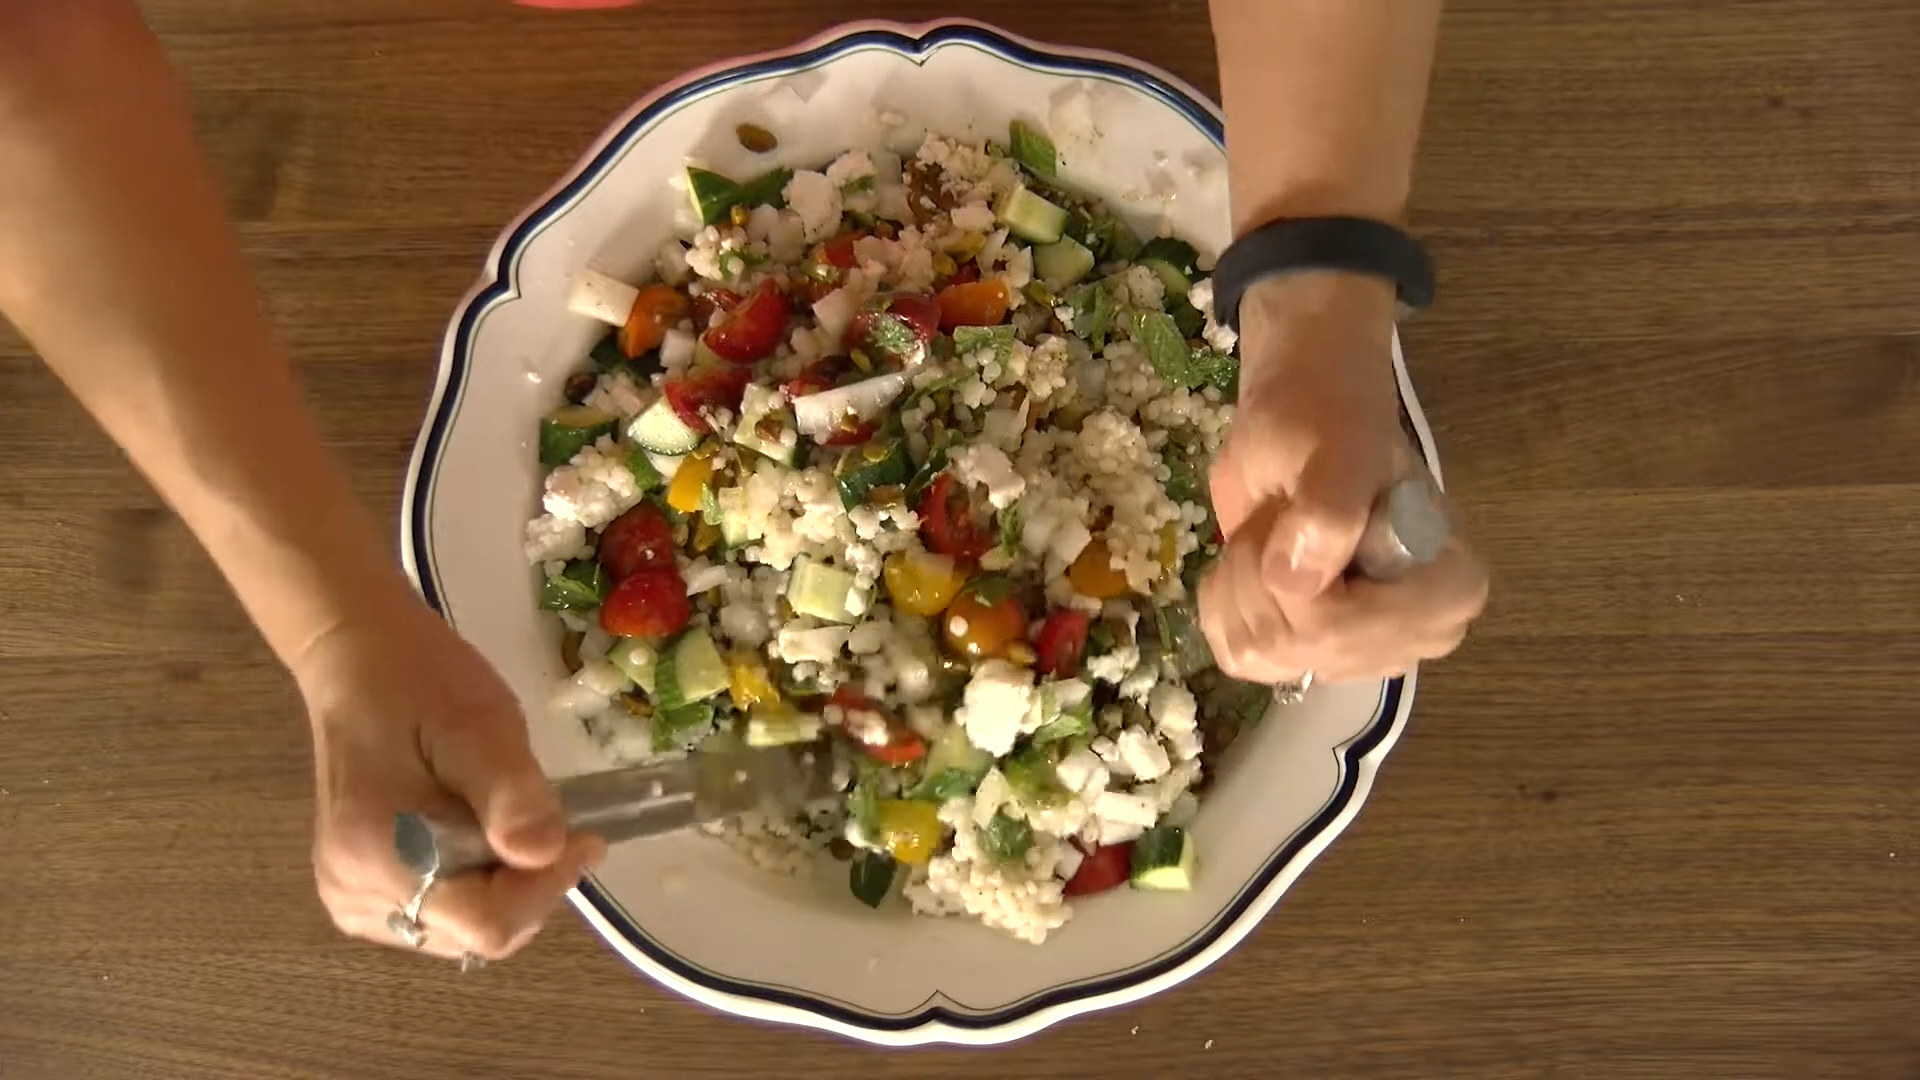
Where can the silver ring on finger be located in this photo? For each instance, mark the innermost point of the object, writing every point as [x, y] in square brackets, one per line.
[405, 920]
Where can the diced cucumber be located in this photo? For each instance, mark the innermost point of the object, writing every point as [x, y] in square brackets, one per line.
[665, 465]
[681, 728]
[690, 670]
[636, 659]
[766, 425]
[824, 593]
[780, 725]
[952, 751]
[877, 464]
[871, 877]
[714, 196]
[1185, 316]
[660, 430]
[565, 432]
[1163, 860]
[606, 354]
[1062, 263]
[1173, 261]
[1031, 217]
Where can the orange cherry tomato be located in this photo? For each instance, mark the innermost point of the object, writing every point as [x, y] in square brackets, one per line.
[654, 312]
[974, 303]
[984, 621]
[1093, 573]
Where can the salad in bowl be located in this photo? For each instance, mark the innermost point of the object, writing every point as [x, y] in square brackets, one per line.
[905, 455]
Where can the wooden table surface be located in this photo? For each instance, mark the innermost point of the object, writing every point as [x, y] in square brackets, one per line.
[1658, 819]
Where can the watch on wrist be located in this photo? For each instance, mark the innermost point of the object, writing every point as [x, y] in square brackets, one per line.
[1346, 244]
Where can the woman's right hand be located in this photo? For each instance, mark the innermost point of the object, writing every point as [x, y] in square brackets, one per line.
[409, 717]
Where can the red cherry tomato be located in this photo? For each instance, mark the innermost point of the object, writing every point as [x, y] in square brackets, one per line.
[1062, 643]
[640, 539]
[648, 604]
[711, 303]
[948, 523]
[1104, 868]
[818, 378]
[839, 252]
[752, 330]
[904, 746]
[712, 386]
[907, 317]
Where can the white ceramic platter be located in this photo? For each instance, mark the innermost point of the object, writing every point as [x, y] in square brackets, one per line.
[682, 909]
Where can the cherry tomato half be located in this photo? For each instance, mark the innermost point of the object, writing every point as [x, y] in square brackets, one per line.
[985, 620]
[948, 522]
[1062, 643]
[711, 303]
[654, 312]
[648, 604]
[904, 746]
[839, 251]
[752, 330]
[907, 321]
[1104, 868]
[975, 303]
[640, 539]
[712, 386]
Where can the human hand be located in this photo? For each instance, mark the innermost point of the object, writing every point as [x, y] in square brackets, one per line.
[408, 717]
[1315, 439]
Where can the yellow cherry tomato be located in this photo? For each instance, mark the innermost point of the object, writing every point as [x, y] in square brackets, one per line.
[688, 484]
[921, 583]
[985, 621]
[751, 685]
[909, 829]
[1093, 573]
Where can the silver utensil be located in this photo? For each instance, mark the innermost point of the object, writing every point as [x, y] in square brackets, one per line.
[644, 800]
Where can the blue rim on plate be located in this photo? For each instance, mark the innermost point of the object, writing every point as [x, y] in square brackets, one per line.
[915, 45]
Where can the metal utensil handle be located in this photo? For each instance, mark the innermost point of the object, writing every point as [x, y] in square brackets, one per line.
[1409, 527]
[618, 804]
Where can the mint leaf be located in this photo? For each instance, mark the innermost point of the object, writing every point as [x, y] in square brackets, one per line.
[968, 340]
[645, 475]
[946, 784]
[1166, 349]
[1034, 151]
[579, 587]
[1006, 839]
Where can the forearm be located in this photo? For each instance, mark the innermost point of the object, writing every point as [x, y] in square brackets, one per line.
[1323, 99]
[116, 265]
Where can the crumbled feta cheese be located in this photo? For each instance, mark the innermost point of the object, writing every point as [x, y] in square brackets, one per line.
[995, 707]
[973, 218]
[802, 642]
[1116, 665]
[555, 538]
[817, 200]
[1145, 758]
[989, 466]
[1173, 708]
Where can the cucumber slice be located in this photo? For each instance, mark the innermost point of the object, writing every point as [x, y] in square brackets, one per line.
[659, 430]
[880, 463]
[775, 725]
[636, 659]
[766, 425]
[825, 593]
[1174, 262]
[665, 465]
[1031, 217]
[1163, 860]
[714, 196]
[698, 669]
[565, 432]
[1062, 263]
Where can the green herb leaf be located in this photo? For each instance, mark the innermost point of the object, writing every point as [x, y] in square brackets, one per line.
[767, 189]
[946, 784]
[930, 469]
[870, 877]
[990, 589]
[1093, 311]
[938, 386]
[1071, 724]
[1101, 639]
[1033, 150]
[606, 354]
[1183, 481]
[859, 184]
[674, 729]
[1032, 776]
[1006, 839]
[968, 340]
[1010, 529]
[1186, 317]
[1166, 349]
[580, 587]
[645, 475]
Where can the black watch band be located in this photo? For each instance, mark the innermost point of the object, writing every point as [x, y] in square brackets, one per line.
[1350, 244]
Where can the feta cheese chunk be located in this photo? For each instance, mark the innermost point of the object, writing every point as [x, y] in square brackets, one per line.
[1145, 758]
[995, 708]
[817, 200]
[989, 466]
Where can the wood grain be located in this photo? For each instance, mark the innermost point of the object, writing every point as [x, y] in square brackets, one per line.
[1658, 819]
